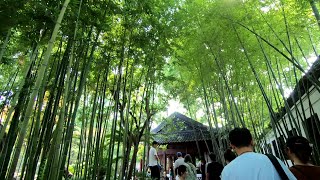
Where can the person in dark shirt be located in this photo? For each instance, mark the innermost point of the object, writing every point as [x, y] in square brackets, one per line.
[214, 168]
[229, 156]
[299, 151]
[203, 168]
[182, 172]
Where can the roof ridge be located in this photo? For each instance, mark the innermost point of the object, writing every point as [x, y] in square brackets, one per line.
[189, 120]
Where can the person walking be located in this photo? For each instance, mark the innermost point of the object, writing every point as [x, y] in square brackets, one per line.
[203, 168]
[182, 172]
[214, 168]
[229, 156]
[171, 174]
[192, 170]
[178, 162]
[299, 151]
[153, 161]
[251, 165]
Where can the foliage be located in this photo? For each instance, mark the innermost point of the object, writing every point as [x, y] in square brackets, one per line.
[115, 64]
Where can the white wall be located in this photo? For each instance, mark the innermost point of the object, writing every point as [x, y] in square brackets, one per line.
[315, 102]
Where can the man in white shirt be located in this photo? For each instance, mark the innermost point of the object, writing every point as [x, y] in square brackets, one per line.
[178, 162]
[248, 164]
[153, 161]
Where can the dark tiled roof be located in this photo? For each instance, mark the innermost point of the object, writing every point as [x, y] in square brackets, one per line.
[180, 128]
[303, 86]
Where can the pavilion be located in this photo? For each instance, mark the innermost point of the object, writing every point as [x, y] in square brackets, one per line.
[182, 134]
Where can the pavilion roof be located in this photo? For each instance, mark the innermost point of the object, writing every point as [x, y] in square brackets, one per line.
[180, 128]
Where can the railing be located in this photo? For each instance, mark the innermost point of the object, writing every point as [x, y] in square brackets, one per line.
[199, 176]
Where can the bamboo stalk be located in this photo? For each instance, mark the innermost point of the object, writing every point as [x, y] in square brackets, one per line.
[35, 92]
[4, 45]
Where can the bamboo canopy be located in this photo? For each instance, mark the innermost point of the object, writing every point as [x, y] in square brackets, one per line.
[82, 82]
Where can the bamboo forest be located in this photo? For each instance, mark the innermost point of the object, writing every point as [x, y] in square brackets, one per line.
[84, 83]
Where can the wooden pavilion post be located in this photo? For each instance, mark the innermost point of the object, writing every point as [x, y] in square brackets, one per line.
[165, 163]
